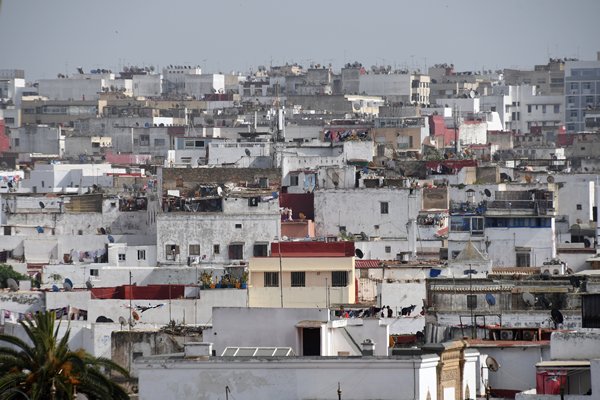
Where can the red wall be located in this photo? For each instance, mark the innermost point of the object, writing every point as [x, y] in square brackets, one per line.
[313, 249]
[4, 140]
[150, 292]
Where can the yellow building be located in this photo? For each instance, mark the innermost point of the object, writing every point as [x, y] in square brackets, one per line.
[315, 274]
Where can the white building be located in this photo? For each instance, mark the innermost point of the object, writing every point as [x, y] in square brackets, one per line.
[147, 85]
[199, 86]
[72, 178]
[238, 227]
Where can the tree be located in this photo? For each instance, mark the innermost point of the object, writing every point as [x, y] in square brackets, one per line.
[7, 271]
[48, 369]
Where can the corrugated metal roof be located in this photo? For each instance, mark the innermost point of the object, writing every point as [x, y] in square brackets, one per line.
[359, 264]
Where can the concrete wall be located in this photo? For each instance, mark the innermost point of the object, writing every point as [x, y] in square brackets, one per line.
[288, 378]
[191, 311]
[210, 229]
[359, 210]
[583, 345]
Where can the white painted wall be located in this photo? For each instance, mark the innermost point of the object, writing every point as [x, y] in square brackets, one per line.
[584, 345]
[261, 326]
[399, 378]
[191, 311]
[384, 84]
[259, 224]
[359, 210]
[517, 366]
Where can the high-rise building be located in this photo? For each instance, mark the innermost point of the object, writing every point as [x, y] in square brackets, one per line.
[582, 92]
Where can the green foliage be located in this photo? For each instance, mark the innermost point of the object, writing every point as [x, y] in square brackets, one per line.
[7, 271]
[49, 369]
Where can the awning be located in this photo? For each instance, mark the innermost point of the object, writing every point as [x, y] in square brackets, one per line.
[364, 264]
[310, 324]
[564, 364]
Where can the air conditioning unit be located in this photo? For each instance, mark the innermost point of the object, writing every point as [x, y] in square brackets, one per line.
[506, 335]
[529, 335]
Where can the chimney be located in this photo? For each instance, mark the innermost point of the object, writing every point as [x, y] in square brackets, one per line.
[202, 350]
[368, 347]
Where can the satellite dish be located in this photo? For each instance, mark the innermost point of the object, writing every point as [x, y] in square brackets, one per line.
[490, 299]
[89, 285]
[103, 231]
[550, 179]
[528, 298]
[55, 288]
[122, 320]
[472, 94]
[557, 316]
[111, 239]
[42, 205]
[487, 193]
[68, 285]
[12, 285]
[492, 364]
[359, 253]
[220, 191]
[247, 151]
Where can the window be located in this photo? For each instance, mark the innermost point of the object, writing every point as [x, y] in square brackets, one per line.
[544, 109]
[556, 108]
[94, 272]
[339, 278]
[253, 201]
[342, 229]
[171, 252]
[298, 279]
[17, 141]
[579, 206]
[529, 108]
[238, 226]
[477, 225]
[388, 249]
[384, 207]
[471, 301]
[293, 180]
[216, 249]
[144, 140]
[260, 249]
[121, 257]
[194, 250]
[141, 254]
[271, 279]
[159, 142]
[236, 251]
[524, 258]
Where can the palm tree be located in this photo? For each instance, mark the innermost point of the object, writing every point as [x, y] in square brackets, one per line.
[47, 369]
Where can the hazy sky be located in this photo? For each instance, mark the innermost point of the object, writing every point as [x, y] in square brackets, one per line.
[46, 37]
